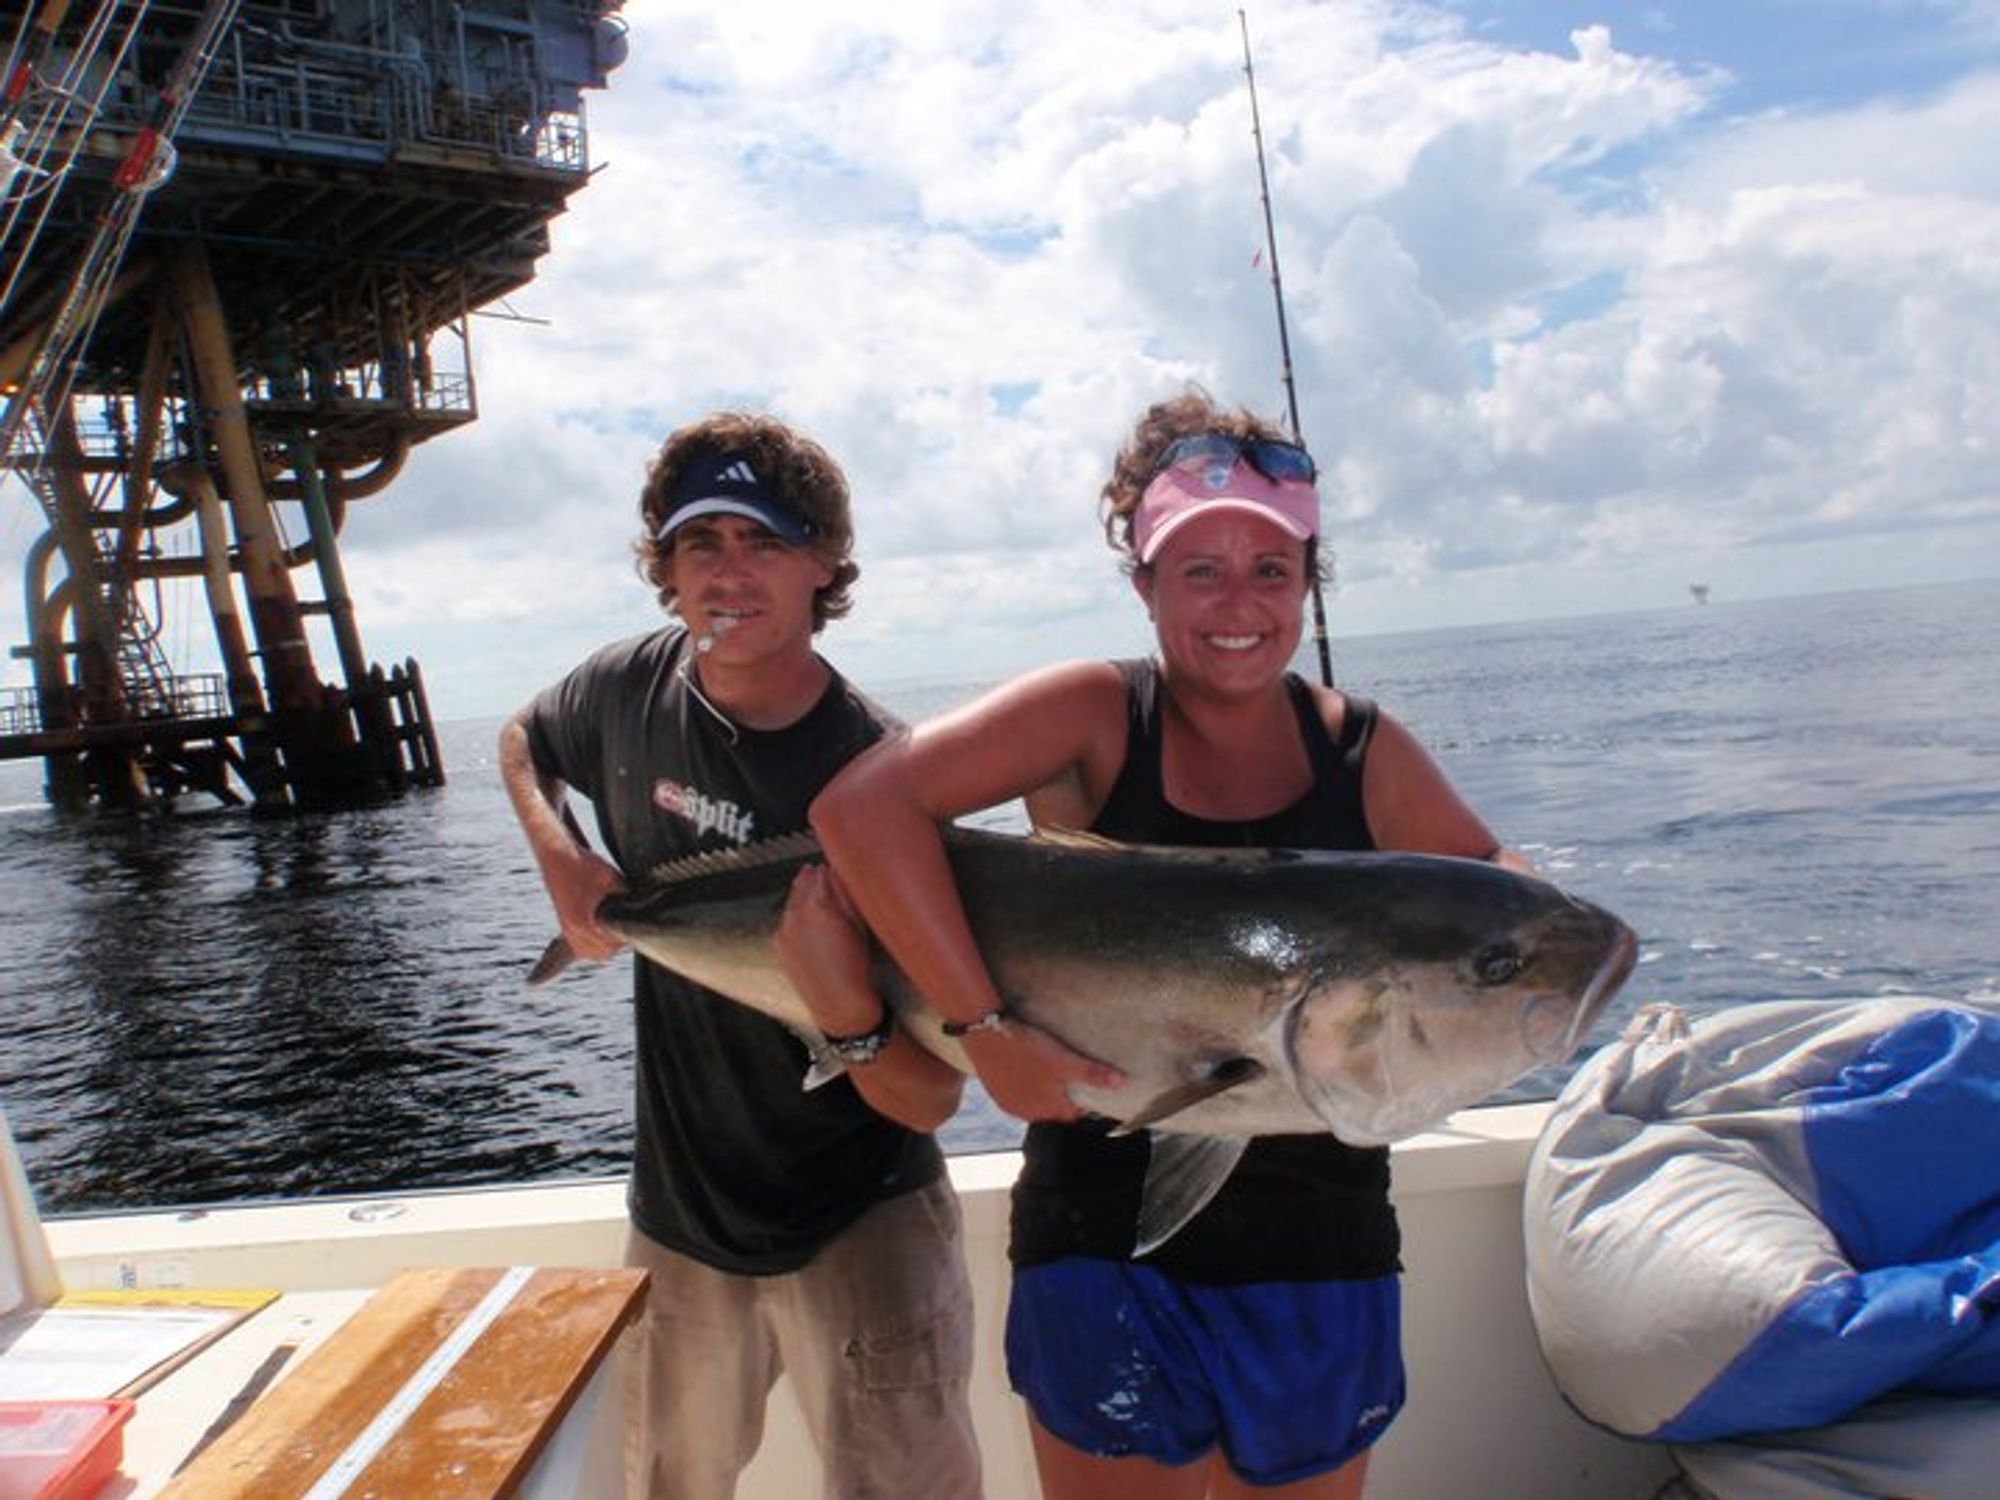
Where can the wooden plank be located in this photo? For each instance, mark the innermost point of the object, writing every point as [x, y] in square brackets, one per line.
[481, 1426]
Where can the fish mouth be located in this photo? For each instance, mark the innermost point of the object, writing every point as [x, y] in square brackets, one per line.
[1606, 982]
[1555, 1022]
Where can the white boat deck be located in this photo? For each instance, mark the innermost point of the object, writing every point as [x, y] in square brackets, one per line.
[1484, 1418]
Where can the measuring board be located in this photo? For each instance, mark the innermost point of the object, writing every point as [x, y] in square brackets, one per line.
[445, 1383]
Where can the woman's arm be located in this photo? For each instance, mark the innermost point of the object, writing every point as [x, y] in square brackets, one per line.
[1411, 804]
[880, 821]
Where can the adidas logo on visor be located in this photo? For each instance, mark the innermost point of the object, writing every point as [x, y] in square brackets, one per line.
[740, 471]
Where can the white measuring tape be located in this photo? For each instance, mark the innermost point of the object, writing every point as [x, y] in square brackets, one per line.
[396, 1410]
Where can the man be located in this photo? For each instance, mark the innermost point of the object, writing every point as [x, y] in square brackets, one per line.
[808, 1232]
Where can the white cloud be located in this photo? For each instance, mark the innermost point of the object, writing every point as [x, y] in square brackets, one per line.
[1562, 328]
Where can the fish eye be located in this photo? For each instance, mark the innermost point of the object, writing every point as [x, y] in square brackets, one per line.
[1234, 1070]
[1497, 963]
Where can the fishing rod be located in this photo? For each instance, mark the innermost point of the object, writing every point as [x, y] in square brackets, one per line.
[1284, 337]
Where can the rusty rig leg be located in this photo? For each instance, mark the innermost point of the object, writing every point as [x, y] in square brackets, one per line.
[314, 736]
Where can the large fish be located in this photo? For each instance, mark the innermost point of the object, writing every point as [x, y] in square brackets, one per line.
[1240, 992]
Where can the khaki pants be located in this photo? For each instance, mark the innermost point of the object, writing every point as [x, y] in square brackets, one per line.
[876, 1334]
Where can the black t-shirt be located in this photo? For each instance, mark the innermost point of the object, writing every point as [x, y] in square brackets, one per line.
[1296, 1207]
[734, 1163]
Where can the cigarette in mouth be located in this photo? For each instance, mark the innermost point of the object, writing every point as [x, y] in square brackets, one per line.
[717, 629]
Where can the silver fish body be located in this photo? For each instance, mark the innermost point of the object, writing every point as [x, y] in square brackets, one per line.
[1240, 992]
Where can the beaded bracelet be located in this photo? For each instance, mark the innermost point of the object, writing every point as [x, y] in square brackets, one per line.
[993, 1020]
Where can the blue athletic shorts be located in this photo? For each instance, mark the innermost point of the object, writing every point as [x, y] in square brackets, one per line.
[1292, 1378]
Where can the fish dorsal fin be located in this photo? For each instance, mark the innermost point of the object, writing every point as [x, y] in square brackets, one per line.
[1073, 838]
[775, 851]
[1184, 1172]
[1078, 838]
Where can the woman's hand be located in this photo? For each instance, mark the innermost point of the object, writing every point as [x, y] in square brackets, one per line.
[826, 953]
[1028, 1071]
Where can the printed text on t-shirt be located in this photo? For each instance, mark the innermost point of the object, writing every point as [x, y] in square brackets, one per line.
[705, 813]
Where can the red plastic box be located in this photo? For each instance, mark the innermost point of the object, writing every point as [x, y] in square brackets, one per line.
[60, 1450]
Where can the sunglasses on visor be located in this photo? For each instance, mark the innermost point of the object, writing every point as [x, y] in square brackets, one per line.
[1278, 461]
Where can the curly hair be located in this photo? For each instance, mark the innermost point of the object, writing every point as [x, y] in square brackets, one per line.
[803, 474]
[1163, 424]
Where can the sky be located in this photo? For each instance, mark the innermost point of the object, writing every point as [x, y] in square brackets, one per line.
[1586, 303]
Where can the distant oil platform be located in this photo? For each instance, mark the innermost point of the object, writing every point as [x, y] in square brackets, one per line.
[241, 246]
[1699, 591]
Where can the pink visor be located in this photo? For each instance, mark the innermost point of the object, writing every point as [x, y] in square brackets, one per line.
[1179, 494]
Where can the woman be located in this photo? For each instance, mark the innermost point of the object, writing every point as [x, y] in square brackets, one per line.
[1258, 1351]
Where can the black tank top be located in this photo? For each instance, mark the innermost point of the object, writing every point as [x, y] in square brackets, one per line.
[1297, 1207]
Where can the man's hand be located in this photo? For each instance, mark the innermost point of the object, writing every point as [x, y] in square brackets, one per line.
[576, 878]
[825, 953]
[577, 881]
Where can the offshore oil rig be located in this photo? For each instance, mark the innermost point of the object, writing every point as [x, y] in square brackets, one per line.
[241, 244]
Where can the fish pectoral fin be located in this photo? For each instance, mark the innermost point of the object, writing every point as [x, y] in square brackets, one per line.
[1230, 1073]
[825, 1068]
[825, 1063]
[1184, 1173]
[555, 958]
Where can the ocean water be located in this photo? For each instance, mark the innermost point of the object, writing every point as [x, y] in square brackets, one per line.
[1786, 799]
